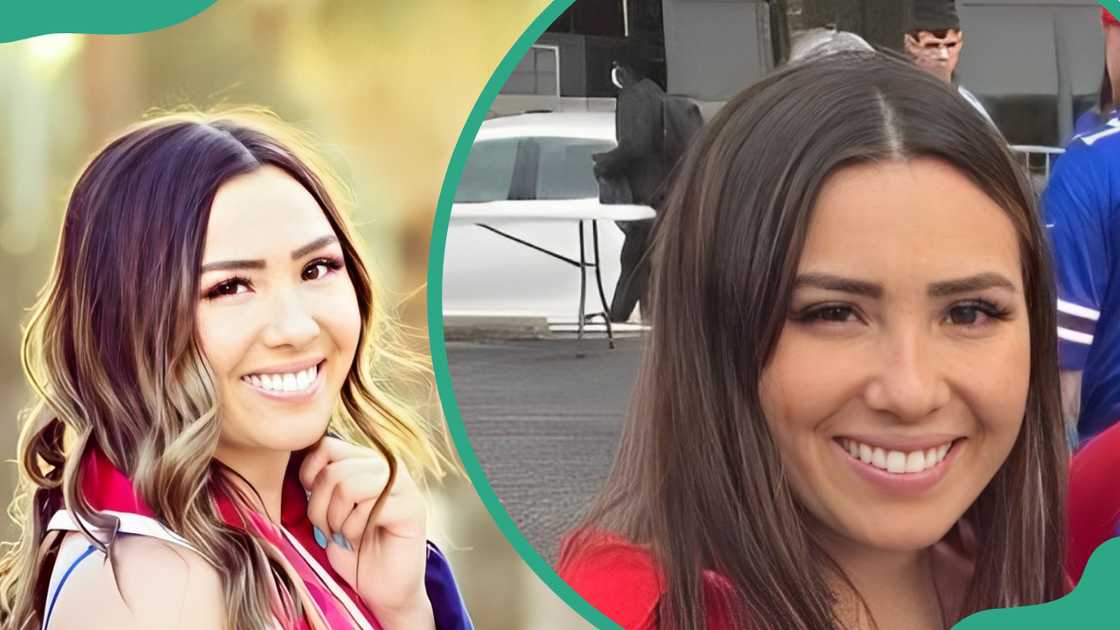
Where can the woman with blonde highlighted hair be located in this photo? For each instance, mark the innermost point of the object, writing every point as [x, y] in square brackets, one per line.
[211, 362]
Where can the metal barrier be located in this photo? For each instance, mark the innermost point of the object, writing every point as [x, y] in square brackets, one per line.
[1037, 158]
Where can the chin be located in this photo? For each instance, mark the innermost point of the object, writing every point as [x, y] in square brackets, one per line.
[901, 535]
[297, 435]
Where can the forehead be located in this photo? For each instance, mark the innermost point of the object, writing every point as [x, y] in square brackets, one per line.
[262, 214]
[917, 220]
[926, 38]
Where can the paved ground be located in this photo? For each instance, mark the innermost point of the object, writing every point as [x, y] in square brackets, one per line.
[544, 418]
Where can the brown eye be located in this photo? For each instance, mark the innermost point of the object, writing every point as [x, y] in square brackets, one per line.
[233, 286]
[320, 268]
[976, 313]
[964, 315]
[315, 271]
[837, 314]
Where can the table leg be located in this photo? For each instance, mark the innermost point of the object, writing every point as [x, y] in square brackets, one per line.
[599, 282]
[582, 281]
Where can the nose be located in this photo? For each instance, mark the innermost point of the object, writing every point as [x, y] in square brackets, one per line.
[291, 322]
[908, 381]
[943, 53]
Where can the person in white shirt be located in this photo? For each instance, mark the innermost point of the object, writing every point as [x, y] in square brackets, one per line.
[934, 42]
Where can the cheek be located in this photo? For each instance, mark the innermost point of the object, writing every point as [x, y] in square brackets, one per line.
[997, 382]
[224, 339]
[804, 382]
[342, 318]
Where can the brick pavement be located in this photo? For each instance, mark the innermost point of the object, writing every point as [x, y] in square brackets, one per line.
[543, 417]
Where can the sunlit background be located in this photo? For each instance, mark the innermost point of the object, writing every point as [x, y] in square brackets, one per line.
[385, 86]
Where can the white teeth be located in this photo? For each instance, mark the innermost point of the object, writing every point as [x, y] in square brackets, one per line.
[896, 462]
[915, 462]
[291, 382]
[879, 458]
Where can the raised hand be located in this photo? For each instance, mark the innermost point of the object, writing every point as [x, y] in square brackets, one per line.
[381, 555]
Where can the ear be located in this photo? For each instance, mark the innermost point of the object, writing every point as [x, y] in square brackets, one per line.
[910, 45]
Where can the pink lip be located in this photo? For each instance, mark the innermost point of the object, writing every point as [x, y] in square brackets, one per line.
[291, 397]
[905, 484]
[902, 442]
[296, 366]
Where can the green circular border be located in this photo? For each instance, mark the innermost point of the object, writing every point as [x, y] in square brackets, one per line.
[435, 324]
[23, 19]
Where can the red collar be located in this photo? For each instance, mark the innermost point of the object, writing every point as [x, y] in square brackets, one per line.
[105, 487]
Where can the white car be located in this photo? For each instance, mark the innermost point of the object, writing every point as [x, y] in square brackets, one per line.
[526, 167]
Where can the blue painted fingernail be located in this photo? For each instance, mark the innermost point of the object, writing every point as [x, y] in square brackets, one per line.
[341, 541]
[320, 539]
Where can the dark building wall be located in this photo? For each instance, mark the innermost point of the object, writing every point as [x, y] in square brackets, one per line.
[880, 22]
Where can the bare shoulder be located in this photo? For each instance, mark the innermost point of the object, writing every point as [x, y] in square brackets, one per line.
[152, 583]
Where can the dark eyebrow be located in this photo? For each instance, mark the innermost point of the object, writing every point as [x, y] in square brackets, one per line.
[233, 264]
[298, 253]
[322, 241]
[979, 282]
[830, 282]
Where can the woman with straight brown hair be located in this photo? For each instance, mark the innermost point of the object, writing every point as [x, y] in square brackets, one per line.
[847, 413]
[219, 439]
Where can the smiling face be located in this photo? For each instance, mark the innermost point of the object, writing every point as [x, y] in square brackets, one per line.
[899, 381]
[278, 317]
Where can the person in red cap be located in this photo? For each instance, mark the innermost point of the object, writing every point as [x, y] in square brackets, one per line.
[1105, 107]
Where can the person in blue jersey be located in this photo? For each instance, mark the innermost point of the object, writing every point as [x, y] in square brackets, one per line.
[1080, 205]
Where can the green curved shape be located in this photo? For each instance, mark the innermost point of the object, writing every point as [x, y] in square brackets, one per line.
[1086, 607]
[1091, 605]
[107, 17]
[435, 324]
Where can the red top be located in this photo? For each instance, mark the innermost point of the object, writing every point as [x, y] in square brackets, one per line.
[621, 580]
[1094, 498]
[1107, 18]
[107, 488]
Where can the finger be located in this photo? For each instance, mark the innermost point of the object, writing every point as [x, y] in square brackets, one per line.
[354, 527]
[341, 449]
[344, 561]
[329, 450]
[351, 492]
[316, 458]
[401, 515]
[322, 489]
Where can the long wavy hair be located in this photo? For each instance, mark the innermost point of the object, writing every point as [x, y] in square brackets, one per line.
[112, 354]
[698, 479]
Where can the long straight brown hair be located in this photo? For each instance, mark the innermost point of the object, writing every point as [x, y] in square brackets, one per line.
[112, 353]
[697, 478]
